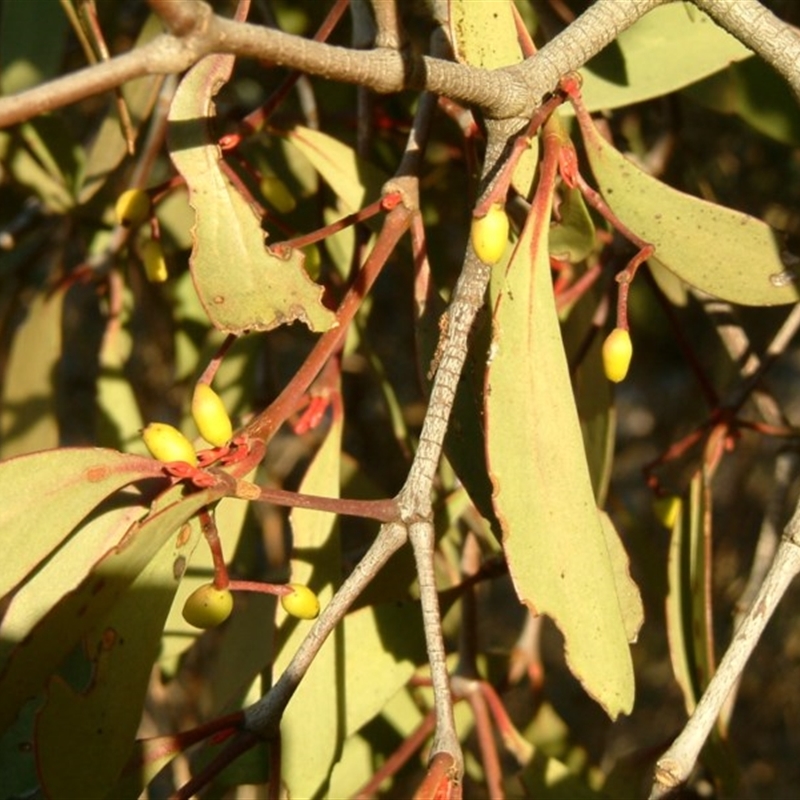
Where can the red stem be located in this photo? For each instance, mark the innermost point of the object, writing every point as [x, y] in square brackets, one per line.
[266, 423]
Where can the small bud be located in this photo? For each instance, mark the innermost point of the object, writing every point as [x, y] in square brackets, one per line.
[210, 416]
[617, 352]
[167, 444]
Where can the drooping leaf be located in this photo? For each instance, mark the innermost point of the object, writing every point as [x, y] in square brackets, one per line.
[242, 285]
[687, 599]
[44, 496]
[756, 93]
[109, 147]
[103, 717]
[670, 47]
[28, 419]
[314, 713]
[356, 182]
[35, 658]
[552, 534]
[725, 253]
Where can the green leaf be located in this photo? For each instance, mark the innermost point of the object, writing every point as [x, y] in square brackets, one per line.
[757, 94]
[243, 286]
[35, 658]
[28, 416]
[354, 181]
[668, 48]
[725, 253]
[553, 537]
[44, 496]
[102, 718]
[311, 734]
[573, 237]
[484, 34]
[687, 628]
[109, 147]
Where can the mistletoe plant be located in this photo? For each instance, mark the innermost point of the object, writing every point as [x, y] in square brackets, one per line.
[230, 219]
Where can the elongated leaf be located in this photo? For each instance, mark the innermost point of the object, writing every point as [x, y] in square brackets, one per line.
[670, 47]
[314, 713]
[43, 496]
[103, 717]
[355, 182]
[723, 252]
[28, 419]
[33, 660]
[552, 534]
[687, 600]
[242, 285]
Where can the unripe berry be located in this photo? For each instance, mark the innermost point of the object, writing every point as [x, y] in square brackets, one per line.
[167, 444]
[617, 352]
[207, 606]
[302, 602]
[489, 234]
[155, 265]
[132, 208]
[210, 416]
[667, 510]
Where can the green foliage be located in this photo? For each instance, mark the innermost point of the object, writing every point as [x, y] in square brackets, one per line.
[103, 545]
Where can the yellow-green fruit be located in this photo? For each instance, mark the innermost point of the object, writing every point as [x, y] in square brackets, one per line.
[210, 416]
[667, 510]
[313, 261]
[168, 444]
[489, 234]
[207, 606]
[617, 352]
[155, 265]
[302, 602]
[132, 208]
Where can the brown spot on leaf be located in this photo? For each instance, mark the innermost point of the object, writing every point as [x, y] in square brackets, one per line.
[96, 474]
[183, 535]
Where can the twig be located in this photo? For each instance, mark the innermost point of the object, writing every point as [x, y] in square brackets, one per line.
[674, 766]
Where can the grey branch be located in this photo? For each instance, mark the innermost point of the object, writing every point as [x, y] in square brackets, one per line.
[195, 32]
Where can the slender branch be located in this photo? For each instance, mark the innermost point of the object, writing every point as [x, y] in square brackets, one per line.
[263, 717]
[674, 766]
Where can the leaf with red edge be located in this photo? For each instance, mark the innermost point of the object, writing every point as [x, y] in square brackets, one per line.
[554, 541]
[119, 651]
[40, 653]
[242, 285]
[44, 496]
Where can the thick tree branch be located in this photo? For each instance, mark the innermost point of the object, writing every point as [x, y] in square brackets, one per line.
[196, 32]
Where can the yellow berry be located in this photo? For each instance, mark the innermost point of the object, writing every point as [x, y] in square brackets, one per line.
[132, 208]
[667, 510]
[167, 444]
[155, 265]
[207, 606]
[617, 352]
[302, 602]
[210, 416]
[489, 234]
